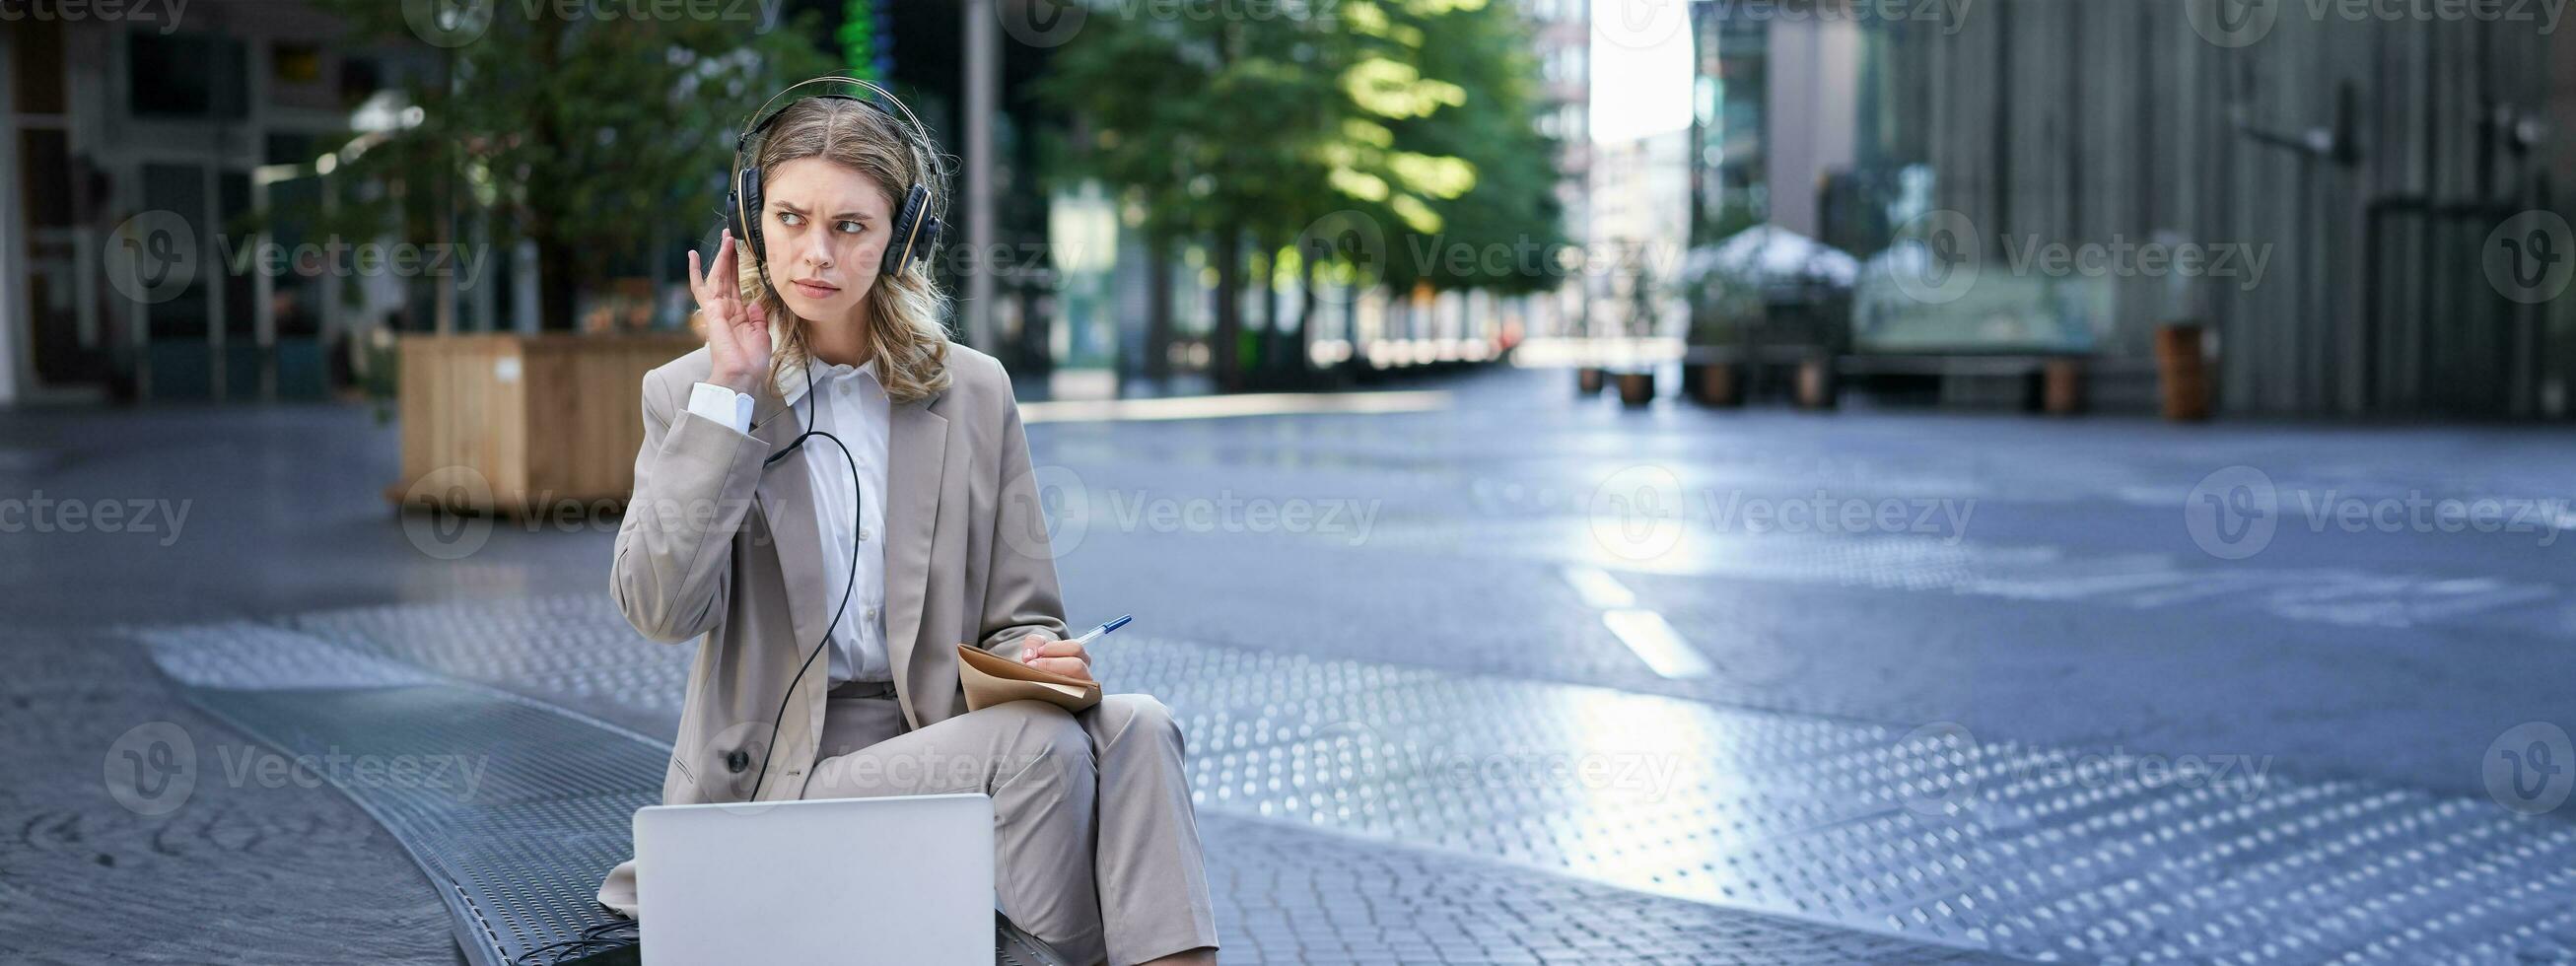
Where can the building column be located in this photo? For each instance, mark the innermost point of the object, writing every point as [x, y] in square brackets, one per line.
[15, 322]
[983, 79]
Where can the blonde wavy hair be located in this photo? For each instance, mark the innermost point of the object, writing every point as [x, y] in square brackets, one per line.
[904, 311]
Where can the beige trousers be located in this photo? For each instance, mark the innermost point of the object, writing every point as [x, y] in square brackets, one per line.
[1096, 844]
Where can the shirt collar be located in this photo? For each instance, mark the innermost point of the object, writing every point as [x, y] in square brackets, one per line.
[791, 381]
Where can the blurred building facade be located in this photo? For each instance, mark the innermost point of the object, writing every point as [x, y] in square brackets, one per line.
[111, 119]
[1562, 30]
[2346, 182]
[208, 120]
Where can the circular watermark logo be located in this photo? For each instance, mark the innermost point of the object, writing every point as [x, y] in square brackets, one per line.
[448, 23]
[2530, 257]
[1938, 256]
[456, 523]
[1937, 783]
[1057, 519]
[2530, 768]
[1041, 23]
[151, 769]
[1639, 24]
[2232, 23]
[2232, 514]
[1637, 512]
[152, 257]
[1349, 238]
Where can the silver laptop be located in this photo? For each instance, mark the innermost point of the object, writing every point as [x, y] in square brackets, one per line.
[855, 880]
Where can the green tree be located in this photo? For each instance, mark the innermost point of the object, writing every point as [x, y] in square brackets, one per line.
[585, 137]
[1489, 133]
[1245, 129]
[1212, 127]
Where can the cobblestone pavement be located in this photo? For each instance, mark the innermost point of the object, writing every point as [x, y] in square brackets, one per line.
[1959, 723]
[249, 871]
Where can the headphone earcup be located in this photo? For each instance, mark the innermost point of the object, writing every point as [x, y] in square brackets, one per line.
[914, 232]
[929, 243]
[743, 202]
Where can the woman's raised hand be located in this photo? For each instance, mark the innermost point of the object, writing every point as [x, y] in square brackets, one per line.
[737, 334]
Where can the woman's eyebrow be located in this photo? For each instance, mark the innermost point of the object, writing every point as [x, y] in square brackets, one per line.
[846, 214]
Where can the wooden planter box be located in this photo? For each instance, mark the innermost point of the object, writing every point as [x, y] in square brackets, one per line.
[524, 424]
[1818, 387]
[1717, 384]
[1636, 389]
[2183, 372]
[2061, 387]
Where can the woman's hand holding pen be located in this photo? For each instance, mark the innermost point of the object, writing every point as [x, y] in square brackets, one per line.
[1068, 658]
[737, 334]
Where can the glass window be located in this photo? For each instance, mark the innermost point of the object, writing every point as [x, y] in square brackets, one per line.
[38, 76]
[186, 75]
[46, 187]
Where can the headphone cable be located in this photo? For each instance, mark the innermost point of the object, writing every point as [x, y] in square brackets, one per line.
[857, 522]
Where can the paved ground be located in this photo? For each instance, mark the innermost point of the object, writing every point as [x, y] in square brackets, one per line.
[1934, 723]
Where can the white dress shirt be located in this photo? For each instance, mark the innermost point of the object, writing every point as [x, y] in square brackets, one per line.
[851, 405]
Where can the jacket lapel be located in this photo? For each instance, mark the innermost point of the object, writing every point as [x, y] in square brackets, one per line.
[786, 496]
[916, 456]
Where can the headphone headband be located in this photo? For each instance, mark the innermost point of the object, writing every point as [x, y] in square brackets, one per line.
[914, 219]
[763, 117]
[916, 133]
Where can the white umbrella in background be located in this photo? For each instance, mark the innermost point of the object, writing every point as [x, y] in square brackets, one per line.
[1772, 256]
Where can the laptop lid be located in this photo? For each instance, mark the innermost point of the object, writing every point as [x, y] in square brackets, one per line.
[906, 879]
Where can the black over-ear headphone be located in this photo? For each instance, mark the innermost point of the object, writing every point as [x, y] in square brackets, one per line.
[916, 229]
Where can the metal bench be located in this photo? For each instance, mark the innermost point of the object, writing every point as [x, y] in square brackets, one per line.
[515, 851]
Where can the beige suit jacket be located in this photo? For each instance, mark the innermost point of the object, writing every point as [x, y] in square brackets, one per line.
[714, 545]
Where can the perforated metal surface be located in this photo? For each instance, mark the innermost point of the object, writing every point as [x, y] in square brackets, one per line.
[248, 654]
[513, 809]
[518, 853]
[599, 667]
[2036, 852]
[1290, 895]
[2344, 596]
[2031, 851]
[1924, 833]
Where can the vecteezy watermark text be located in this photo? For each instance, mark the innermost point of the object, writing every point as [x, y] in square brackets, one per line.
[459, 775]
[1942, 768]
[1822, 512]
[2543, 12]
[165, 12]
[1132, 510]
[1951, 13]
[2243, 23]
[2235, 511]
[153, 769]
[155, 255]
[340, 258]
[763, 12]
[42, 514]
[1644, 775]
[1642, 512]
[2124, 258]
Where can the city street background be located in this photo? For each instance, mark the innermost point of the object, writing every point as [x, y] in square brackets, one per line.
[1457, 597]
[1687, 481]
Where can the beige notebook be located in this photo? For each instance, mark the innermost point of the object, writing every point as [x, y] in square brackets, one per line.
[991, 679]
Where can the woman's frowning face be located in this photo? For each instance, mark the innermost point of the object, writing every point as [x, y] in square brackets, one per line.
[825, 229]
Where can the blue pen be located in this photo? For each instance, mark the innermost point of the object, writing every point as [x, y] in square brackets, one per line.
[1094, 633]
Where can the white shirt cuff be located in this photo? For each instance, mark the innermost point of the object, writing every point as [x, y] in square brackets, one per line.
[722, 404]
